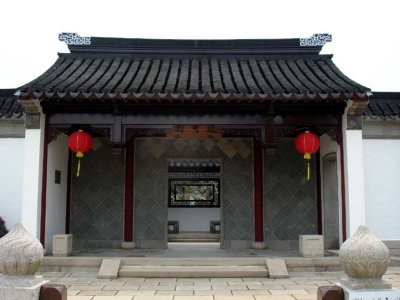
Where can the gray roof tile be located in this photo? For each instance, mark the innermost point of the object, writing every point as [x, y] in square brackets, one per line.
[193, 69]
[383, 106]
[9, 107]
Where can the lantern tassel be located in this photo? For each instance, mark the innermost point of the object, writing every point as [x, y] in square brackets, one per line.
[78, 169]
[307, 157]
[79, 155]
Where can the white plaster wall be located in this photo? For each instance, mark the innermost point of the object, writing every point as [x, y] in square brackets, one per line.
[11, 172]
[56, 194]
[354, 168]
[328, 146]
[382, 179]
[194, 219]
[354, 176]
[32, 179]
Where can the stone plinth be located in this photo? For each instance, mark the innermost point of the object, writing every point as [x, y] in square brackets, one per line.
[368, 294]
[20, 287]
[128, 245]
[365, 283]
[311, 245]
[62, 244]
[258, 245]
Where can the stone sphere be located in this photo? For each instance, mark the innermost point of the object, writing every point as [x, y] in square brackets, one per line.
[20, 253]
[363, 255]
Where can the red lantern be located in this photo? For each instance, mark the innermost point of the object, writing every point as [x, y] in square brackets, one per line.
[80, 142]
[307, 143]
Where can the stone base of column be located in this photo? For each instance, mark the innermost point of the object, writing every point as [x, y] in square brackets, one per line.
[258, 245]
[25, 287]
[128, 245]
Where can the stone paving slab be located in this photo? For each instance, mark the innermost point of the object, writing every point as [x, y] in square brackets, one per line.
[299, 286]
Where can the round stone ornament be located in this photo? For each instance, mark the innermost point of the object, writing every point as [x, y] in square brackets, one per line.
[363, 255]
[20, 253]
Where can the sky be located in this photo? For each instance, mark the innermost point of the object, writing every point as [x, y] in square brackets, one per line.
[365, 44]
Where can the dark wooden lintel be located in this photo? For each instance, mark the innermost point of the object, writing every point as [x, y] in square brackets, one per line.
[307, 119]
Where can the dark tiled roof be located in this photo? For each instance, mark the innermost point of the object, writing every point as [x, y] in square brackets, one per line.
[190, 70]
[383, 106]
[9, 107]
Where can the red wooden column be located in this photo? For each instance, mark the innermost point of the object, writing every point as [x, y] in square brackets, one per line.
[129, 198]
[258, 195]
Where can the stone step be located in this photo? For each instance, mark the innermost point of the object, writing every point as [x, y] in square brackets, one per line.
[92, 264]
[193, 235]
[193, 261]
[192, 240]
[193, 271]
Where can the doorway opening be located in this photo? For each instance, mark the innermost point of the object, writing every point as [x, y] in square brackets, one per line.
[194, 201]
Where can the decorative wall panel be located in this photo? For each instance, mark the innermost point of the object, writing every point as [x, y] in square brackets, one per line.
[290, 202]
[97, 200]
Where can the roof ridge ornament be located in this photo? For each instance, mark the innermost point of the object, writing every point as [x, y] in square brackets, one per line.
[317, 39]
[72, 38]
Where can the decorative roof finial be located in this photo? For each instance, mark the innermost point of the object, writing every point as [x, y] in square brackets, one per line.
[317, 39]
[72, 38]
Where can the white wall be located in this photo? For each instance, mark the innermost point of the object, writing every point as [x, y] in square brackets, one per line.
[56, 194]
[382, 180]
[11, 172]
[194, 219]
[354, 177]
[32, 180]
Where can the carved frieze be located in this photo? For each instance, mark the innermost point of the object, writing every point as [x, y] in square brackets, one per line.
[318, 39]
[72, 38]
[146, 132]
[56, 130]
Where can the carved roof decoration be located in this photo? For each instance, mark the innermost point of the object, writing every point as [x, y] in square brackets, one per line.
[383, 106]
[9, 106]
[223, 71]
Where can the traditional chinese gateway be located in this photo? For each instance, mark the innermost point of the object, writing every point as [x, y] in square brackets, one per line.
[193, 136]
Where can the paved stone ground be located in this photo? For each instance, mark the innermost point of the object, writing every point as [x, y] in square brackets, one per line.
[300, 286]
